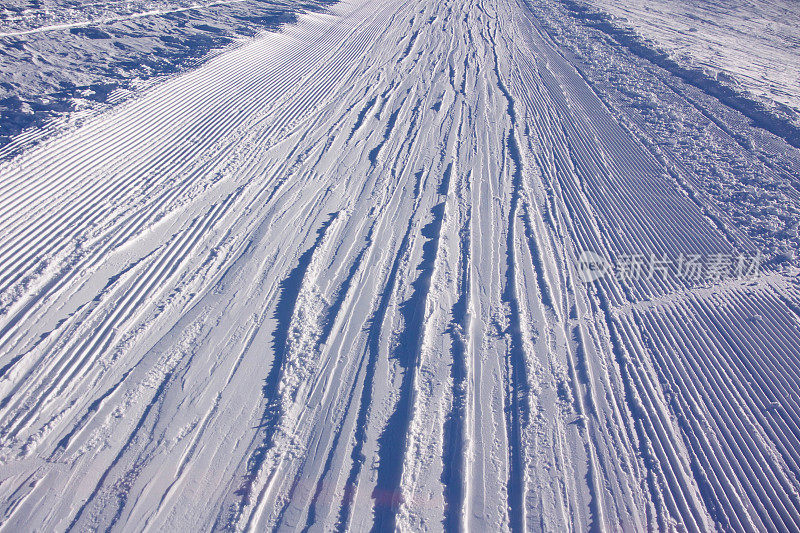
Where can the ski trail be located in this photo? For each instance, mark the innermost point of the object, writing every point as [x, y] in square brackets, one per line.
[329, 281]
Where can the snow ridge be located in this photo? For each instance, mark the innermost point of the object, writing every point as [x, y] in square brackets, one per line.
[329, 280]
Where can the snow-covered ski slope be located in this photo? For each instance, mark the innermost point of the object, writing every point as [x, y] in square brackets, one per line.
[329, 280]
[747, 43]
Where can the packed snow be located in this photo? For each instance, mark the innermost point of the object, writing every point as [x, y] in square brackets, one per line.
[64, 60]
[482, 265]
[746, 43]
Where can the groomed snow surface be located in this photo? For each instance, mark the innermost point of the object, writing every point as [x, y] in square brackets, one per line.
[330, 280]
[746, 43]
[63, 60]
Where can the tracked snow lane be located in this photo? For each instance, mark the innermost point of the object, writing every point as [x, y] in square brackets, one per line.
[327, 281]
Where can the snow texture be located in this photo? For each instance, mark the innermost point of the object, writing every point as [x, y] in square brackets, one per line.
[329, 279]
[62, 61]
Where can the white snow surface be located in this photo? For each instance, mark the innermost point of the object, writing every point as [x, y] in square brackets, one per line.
[747, 43]
[328, 281]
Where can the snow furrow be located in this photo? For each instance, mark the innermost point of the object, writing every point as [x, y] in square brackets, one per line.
[330, 280]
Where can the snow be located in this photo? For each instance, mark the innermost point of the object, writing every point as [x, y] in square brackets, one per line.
[330, 279]
[65, 60]
[744, 43]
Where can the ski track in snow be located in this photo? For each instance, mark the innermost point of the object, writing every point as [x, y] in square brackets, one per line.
[328, 280]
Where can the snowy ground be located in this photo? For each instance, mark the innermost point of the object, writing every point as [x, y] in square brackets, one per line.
[65, 59]
[753, 44]
[331, 279]
[747, 54]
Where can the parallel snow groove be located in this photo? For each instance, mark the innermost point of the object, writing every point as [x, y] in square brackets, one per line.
[455, 428]
[284, 312]
[649, 238]
[328, 281]
[373, 353]
[407, 348]
[757, 392]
